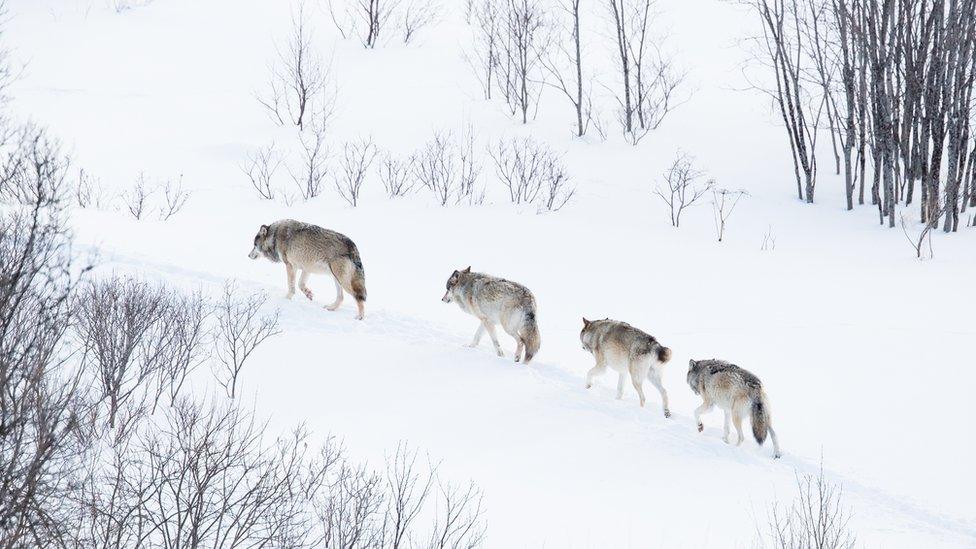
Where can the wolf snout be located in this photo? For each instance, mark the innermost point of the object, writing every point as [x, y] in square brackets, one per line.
[446, 298]
[253, 255]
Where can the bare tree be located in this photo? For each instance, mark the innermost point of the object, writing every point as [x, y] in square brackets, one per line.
[723, 203]
[367, 19]
[680, 189]
[562, 60]
[187, 333]
[175, 198]
[817, 518]
[769, 240]
[354, 164]
[88, 191]
[43, 398]
[532, 172]
[396, 174]
[310, 176]
[408, 490]
[417, 15]
[240, 329]
[300, 83]
[121, 327]
[520, 44]
[485, 56]
[469, 170]
[137, 198]
[435, 166]
[459, 522]
[649, 79]
[260, 168]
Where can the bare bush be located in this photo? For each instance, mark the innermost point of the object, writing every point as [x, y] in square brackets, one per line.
[469, 191]
[187, 336]
[88, 191]
[174, 198]
[680, 190]
[355, 162]
[769, 240]
[34, 170]
[520, 46]
[484, 56]
[137, 199]
[43, 424]
[435, 167]
[396, 174]
[723, 203]
[260, 168]
[562, 62]
[240, 329]
[459, 522]
[122, 327]
[921, 242]
[532, 172]
[310, 176]
[817, 518]
[417, 15]
[300, 87]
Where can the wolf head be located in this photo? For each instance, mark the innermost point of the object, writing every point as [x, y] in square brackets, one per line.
[693, 374]
[584, 337]
[264, 244]
[453, 282]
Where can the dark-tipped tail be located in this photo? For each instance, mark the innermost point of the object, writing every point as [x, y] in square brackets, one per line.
[760, 417]
[663, 354]
[530, 337]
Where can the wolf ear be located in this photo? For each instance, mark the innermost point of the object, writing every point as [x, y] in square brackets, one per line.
[468, 270]
[691, 363]
[585, 322]
[263, 231]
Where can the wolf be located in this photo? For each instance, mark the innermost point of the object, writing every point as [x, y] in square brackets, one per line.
[311, 249]
[628, 351]
[736, 391]
[497, 301]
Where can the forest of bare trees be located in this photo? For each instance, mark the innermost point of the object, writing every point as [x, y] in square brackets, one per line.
[890, 84]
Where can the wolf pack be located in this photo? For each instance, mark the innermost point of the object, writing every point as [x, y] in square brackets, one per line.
[307, 249]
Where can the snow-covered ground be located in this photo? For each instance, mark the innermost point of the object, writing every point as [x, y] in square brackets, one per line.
[865, 351]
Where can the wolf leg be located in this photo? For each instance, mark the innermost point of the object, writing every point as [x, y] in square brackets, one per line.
[656, 380]
[338, 300]
[621, 379]
[290, 272]
[725, 428]
[518, 349]
[601, 366]
[772, 435]
[494, 337]
[637, 379]
[737, 421]
[301, 285]
[704, 408]
[477, 336]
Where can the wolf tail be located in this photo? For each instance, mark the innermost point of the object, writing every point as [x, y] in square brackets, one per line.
[529, 334]
[760, 416]
[358, 278]
[663, 354]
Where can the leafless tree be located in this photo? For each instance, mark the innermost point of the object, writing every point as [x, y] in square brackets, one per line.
[681, 189]
[88, 191]
[300, 87]
[137, 198]
[485, 56]
[310, 176]
[459, 522]
[123, 331]
[408, 488]
[923, 239]
[260, 168]
[817, 518]
[240, 329]
[396, 174]
[369, 20]
[417, 15]
[43, 398]
[175, 197]
[531, 172]
[522, 27]
[355, 162]
[186, 331]
[435, 166]
[650, 80]
[769, 240]
[723, 203]
[469, 191]
[34, 168]
[562, 60]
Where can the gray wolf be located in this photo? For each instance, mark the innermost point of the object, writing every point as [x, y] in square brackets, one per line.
[736, 391]
[497, 301]
[628, 351]
[311, 249]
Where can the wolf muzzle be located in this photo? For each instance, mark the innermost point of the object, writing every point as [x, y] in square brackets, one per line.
[254, 253]
[447, 297]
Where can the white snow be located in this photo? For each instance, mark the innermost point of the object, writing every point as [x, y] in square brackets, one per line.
[865, 351]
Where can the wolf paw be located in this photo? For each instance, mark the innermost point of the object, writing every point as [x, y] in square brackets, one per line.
[308, 293]
[289, 295]
[726, 440]
[332, 307]
[701, 427]
[667, 413]
[589, 385]
[777, 456]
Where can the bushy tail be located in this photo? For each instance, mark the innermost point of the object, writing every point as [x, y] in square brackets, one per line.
[529, 334]
[663, 354]
[760, 416]
[358, 278]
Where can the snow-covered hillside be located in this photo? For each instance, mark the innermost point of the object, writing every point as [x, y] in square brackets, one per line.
[862, 373]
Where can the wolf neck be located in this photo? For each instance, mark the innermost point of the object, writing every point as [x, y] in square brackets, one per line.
[273, 252]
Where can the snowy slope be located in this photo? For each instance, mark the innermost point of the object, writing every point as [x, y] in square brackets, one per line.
[860, 370]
